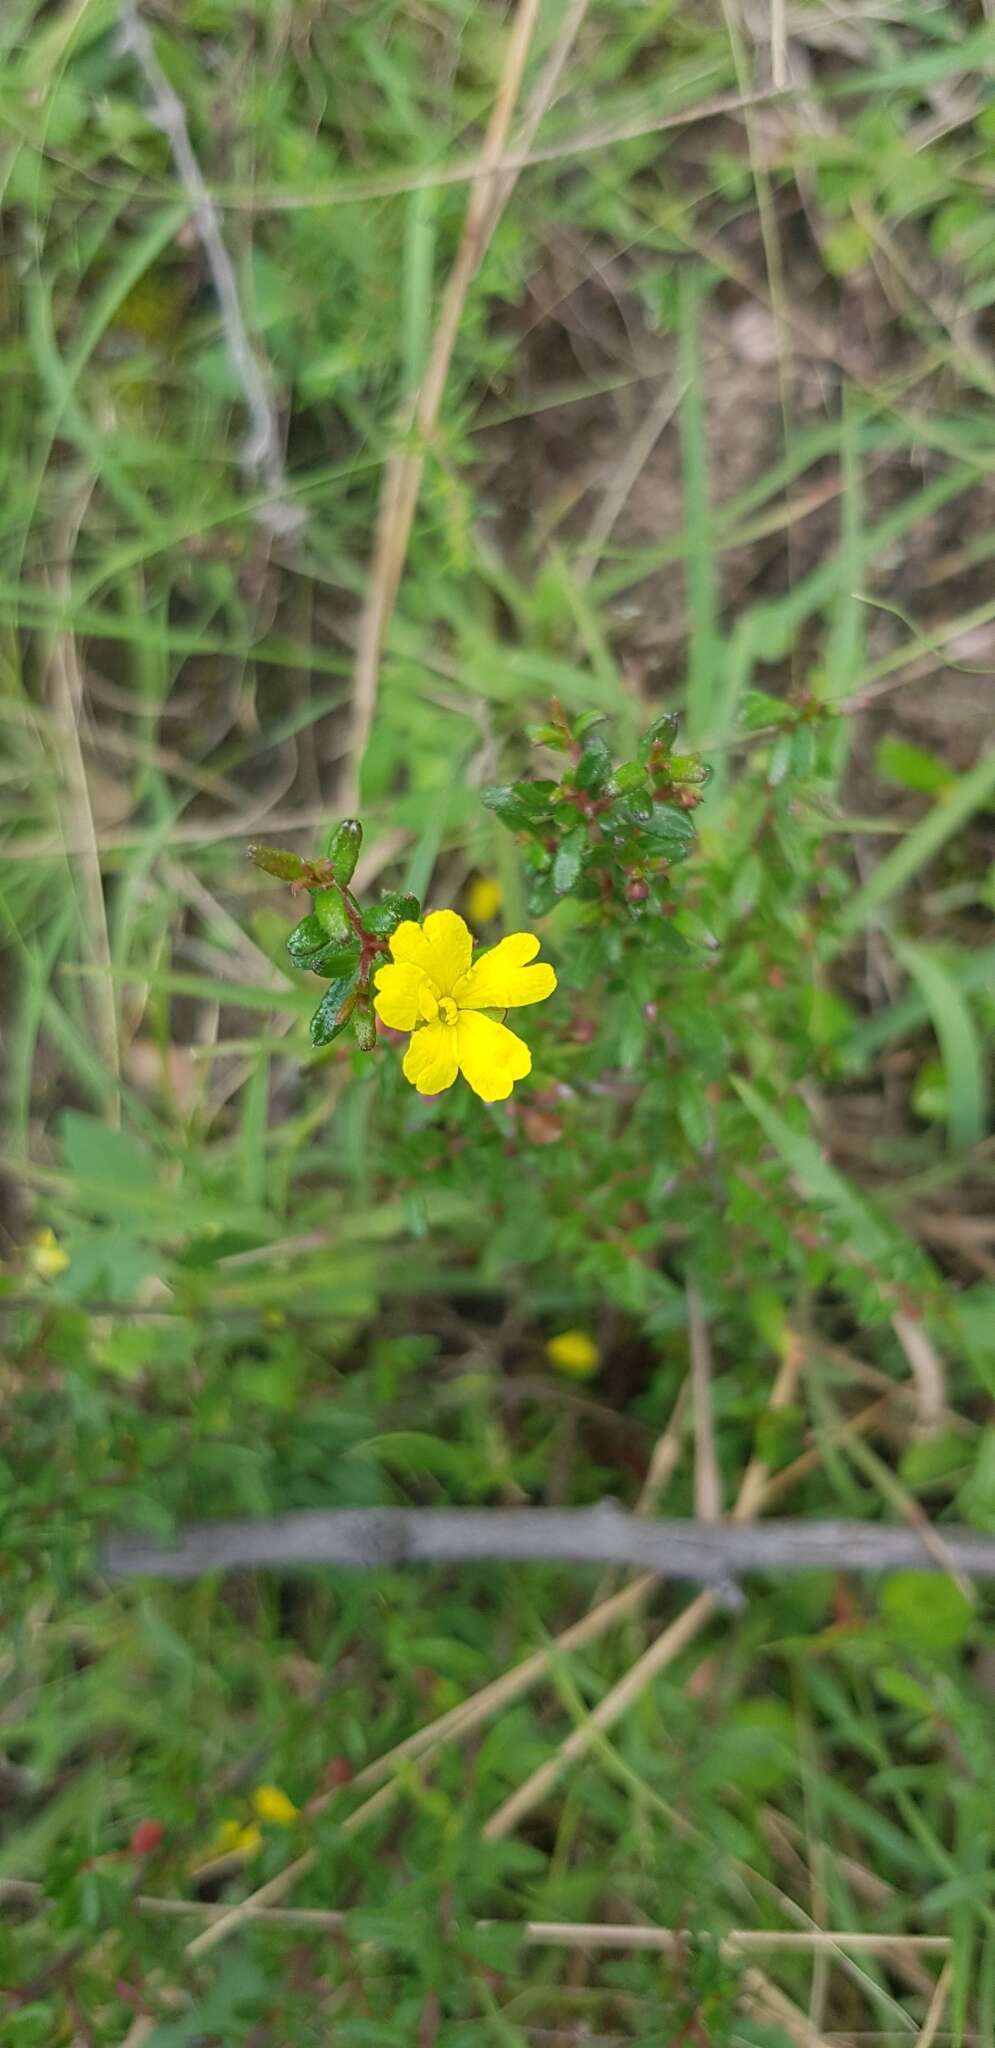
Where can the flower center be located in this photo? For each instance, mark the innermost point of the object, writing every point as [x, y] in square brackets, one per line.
[437, 1009]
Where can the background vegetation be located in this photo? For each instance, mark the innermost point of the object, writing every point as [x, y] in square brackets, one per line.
[716, 436]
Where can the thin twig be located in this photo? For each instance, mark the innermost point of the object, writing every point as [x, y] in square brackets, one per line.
[466, 170]
[262, 456]
[405, 467]
[707, 1477]
[633, 462]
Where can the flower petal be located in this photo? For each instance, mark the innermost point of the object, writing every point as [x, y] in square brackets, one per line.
[431, 1062]
[491, 1057]
[502, 981]
[441, 946]
[398, 988]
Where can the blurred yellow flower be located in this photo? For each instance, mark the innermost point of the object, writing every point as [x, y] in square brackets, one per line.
[484, 899]
[431, 990]
[273, 1805]
[46, 1256]
[232, 1839]
[574, 1352]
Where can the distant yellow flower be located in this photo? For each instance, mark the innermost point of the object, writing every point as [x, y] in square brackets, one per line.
[431, 990]
[574, 1352]
[46, 1256]
[232, 1839]
[273, 1805]
[484, 898]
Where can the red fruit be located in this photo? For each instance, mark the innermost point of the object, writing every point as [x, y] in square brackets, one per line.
[337, 1772]
[146, 1837]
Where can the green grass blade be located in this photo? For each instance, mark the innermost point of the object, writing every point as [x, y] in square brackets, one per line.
[704, 649]
[968, 971]
[922, 844]
[958, 1040]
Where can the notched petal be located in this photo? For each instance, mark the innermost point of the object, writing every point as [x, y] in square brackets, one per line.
[399, 989]
[431, 1062]
[501, 979]
[491, 1057]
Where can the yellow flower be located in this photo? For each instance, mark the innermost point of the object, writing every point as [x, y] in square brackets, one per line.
[573, 1351]
[273, 1805]
[431, 990]
[232, 1839]
[484, 898]
[46, 1256]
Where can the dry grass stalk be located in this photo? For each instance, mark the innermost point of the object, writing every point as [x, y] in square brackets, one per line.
[707, 1477]
[936, 2009]
[926, 1367]
[262, 457]
[667, 1647]
[405, 468]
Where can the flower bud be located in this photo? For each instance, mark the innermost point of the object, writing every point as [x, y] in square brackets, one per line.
[342, 848]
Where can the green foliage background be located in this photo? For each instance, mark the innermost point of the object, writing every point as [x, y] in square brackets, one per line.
[291, 1282]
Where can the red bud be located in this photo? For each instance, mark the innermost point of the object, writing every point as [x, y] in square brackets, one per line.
[146, 1837]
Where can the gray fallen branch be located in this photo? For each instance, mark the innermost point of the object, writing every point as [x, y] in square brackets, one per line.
[262, 458]
[715, 1554]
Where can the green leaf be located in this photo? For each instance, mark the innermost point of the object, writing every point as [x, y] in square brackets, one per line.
[629, 775]
[586, 723]
[337, 960]
[393, 909]
[595, 765]
[926, 1611]
[959, 1042]
[520, 805]
[569, 860]
[930, 1461]
[413, 1450]
[542, 893]
[662, 733]
[94, 1151]
[309, 948]
[746, 886]
[897, 1685]
[633, 810]
[813, 1172]
[974, 1313]
[331, 913]
[912, 767]
[671, 830]
[307, 938]
[334, 1010]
